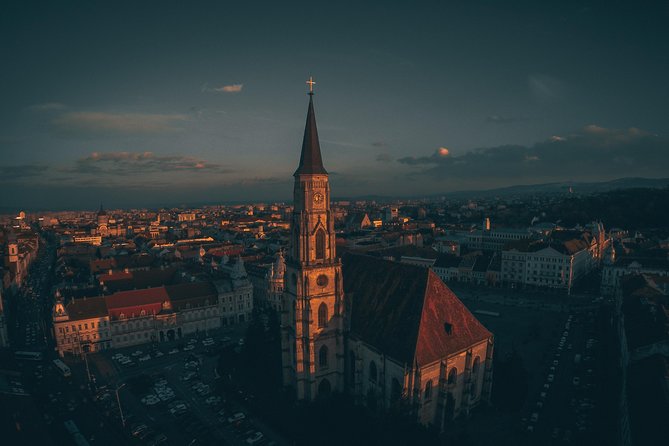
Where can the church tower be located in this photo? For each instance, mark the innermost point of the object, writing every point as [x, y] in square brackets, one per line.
[312, 316]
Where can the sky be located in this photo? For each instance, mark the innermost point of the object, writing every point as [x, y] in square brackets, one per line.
[165, 103]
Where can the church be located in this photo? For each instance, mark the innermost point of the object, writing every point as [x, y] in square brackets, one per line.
[386, 333]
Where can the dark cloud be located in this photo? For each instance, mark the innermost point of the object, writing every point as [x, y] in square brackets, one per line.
[11, 173]
[593, 152]
[128, 163]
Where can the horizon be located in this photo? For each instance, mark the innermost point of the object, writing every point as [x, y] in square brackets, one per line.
[203, 108]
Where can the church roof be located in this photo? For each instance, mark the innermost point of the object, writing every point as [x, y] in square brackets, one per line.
[310, 159]
[406, 311]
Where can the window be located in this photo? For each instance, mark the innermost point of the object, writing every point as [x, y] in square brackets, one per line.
[86, 326]
[323, 357]
[452, 376]
[322, 315]
[320, 244]
[372, 371]
[428, 390]
[477, 364]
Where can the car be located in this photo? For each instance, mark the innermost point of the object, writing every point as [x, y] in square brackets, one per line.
[189, 348]
[240, 342]
[226, 339]
[237, 417]
[534, 417]
[576, 381]
[144, 358]
[212, 400]
[542, 395]
[556, 362]
[137, 353]
[139, 429]
[255, 438]
[173, 351]
[158, 354]
[551, 378]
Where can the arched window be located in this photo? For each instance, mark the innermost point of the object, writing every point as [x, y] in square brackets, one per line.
[477, 364]
[452, 376]
[372, 371]
[322, 315]
[323, 357]
[121, 316]
[428, 390]
[320, 244]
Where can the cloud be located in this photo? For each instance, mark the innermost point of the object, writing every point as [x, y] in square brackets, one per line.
[47, 107]
[129, 163]
[497, 119]
[117, 123]
[593, 152]
[384, 158]
[11, 173]
[232, 88]
[440, 153]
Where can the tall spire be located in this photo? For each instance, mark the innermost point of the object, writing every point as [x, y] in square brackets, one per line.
[310, 159]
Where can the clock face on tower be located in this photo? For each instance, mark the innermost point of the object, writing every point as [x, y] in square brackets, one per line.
[318, 198]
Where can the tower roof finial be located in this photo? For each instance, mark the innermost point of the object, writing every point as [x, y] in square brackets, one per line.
[311, 84]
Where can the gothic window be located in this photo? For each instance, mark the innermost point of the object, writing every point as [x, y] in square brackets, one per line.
[322, 315]
[320, 244]
[452, 376]
[372, 371]
[323, 357]
[477, 364]
[428, 390]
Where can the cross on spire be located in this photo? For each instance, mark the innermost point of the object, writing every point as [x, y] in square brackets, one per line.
[311, 83]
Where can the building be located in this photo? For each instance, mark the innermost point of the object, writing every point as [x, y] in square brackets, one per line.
[4, 335]
[103, 222]
[387, 333]
[313, 301]
[157, 314]
[556, 263]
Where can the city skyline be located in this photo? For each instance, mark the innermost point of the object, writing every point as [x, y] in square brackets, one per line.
[125, 107]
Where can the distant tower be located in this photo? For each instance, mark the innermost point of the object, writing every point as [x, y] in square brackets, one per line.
[59, 313]
[103, 222]
[312, 316]
[275, 279]
[486, 224]
[12, 256]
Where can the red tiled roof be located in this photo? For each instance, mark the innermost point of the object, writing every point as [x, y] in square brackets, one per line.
[403, 310]
[87, 308]
[442, 306]
[134, 301]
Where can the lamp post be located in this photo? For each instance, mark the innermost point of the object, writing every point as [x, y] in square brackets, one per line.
[118, 401]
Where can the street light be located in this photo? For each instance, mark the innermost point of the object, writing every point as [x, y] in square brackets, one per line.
[118, 401]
